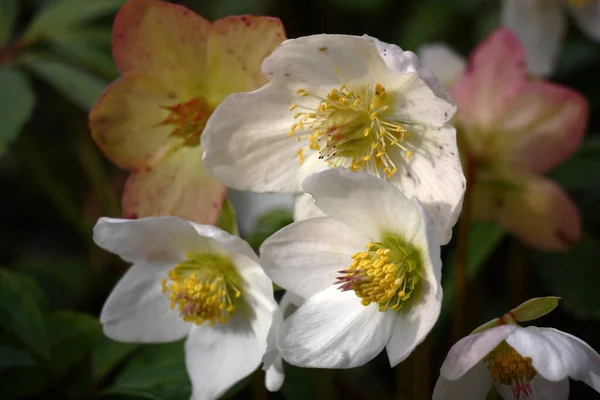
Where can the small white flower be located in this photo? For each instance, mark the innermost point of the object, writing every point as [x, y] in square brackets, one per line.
[194, 281]
[369, 273]
[341, 101]
[272, 360]
[522, 363]
[540, 25]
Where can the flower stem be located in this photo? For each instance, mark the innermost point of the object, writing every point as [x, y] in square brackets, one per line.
[462, 252]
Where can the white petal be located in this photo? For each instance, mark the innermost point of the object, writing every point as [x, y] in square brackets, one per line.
[540, 26]
[275, 375]
[542, 389]
[219, 356]
[470, 350]
[153, 239]
[250, 207]
[434, 175]
[138, 311]
[412, 328]
[370, 205]
[557, 355]
[588, 18]
[443, 61]
[305, 208]
[222, 240]
[333, 330]
[304, 257]
[474, 385]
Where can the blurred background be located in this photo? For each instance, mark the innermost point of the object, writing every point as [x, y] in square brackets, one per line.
[55, 60]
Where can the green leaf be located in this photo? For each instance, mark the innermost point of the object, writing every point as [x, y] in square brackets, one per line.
[16, 105]
[11, 357]
[535, 308]
[63, 16]
[107, 354]
[20, 315]
[78, 86]
[573, 276]
[267, 225]
[9, 11]
[82, 47]
[227, 220]
[582, 170]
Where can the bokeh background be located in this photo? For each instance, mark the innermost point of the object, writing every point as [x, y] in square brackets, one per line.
[54, 62]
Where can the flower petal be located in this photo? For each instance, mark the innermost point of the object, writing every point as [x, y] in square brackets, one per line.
[177, 185]
[164, 40]
[153, 239]
[126, 121]
[137, 310]
[250, 207]
[475, 384]
[535, 209]
[305, 257]
[542, 389]
[412, 328]
[305, 208]
[557, 355]
[588, 18]
[233, 244]
[470, 350]
[543, 125]
[333, 330]
[495, 71]
[368, 204]
[237, 47]
[443, 61]
[540, 26]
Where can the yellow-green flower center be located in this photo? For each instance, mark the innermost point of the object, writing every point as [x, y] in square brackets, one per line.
[352, 128]
[188, 120]
[508, 367]
[386, 274]
[204, 287]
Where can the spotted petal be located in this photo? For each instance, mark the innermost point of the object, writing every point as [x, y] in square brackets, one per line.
[177, 185]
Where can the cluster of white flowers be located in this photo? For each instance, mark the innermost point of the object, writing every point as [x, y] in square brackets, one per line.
[362, 128]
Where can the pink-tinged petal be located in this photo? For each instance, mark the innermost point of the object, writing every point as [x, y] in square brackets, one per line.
[126, 121]
[161, 39]
[543, 125]
[495, 71]
[534, 209]
[178, 185]
[237, 47]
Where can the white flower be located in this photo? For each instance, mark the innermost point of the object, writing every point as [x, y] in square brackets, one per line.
[522, 363]
[272, 361]
[369, 273]
[194, 281]
[341, 101]
[540, 25]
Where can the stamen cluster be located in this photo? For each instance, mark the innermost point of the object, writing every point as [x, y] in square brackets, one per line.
[189, 119]
[508, 367]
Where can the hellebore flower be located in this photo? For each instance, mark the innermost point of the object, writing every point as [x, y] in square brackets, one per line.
[189, 281]
[176, 68]
[512, 130]
[341, 101]
[369, 273]
[540, 25]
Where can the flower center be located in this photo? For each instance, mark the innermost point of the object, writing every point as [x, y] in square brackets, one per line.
[386, 274]
[205, 287]
[188, 120]
[508, 367]
[351, 128]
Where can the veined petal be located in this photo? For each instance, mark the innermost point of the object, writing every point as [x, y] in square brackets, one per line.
[443, 61]
[543, 125]
[588, 18]
[535, 209]
[164, 40]
[333, 330]
[138, 311]
[495, 71]
[305, 257]
[474, 384]
[540, 26]
[236, 49]
[152, 239]
[557, 355]
[305, 208]
[542, 389]
[126, 121]
[176, 185]
[470, 351]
